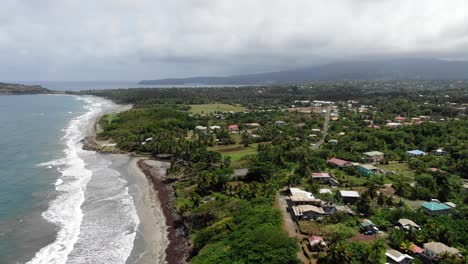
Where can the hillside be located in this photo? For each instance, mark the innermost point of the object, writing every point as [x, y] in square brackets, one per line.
[7, 88]
[395, 69]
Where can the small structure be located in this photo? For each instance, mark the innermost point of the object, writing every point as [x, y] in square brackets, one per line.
[323, 177]
[280, 123]
[299, 197]
[439, 152]
[393, 124]
[396, 257]
[201, 128]
[368, 169]
[374, 156]
[233, 128]
[339, 162]
[307, 212]
[400, 119]
[349, 196]
[333, 142]
[215, 127]
[367, 226]
[436, 208]
[316, 241]
[435, 249]
[416, 153]
[325, 191]
[252, 125]
[149, 139]
[415, 249]
[407, 224]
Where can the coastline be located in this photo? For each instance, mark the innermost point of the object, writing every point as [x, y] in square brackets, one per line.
[159, 222]
[177, 252]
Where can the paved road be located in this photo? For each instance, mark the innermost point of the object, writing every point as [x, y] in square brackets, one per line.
[325, 129]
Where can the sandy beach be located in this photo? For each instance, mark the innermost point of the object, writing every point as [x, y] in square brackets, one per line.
[160, 239]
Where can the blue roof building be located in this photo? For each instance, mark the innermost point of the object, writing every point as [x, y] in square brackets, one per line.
[416, 153]
[435, 208]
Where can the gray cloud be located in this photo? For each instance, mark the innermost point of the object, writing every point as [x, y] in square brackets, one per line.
[136, 39]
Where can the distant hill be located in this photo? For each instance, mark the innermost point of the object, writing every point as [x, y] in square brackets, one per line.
[391, 69]
[8, 88]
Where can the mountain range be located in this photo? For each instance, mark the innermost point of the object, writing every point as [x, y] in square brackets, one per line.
[385, 69]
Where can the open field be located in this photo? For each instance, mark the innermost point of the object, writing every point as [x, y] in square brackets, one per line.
[236, 152]
[210, 108]
[399, 169]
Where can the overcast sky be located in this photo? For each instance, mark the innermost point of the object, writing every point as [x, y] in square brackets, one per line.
[146, 39]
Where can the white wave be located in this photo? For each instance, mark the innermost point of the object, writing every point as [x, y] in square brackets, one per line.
[65, 210]
[88, 236]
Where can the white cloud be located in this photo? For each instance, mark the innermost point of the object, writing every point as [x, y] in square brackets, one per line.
[133, 39]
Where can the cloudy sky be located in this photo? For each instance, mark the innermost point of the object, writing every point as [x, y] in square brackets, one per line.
[144, 39]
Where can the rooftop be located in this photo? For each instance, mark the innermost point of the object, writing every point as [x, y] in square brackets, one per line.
[416, 152]
[321, 175]
[300, 209]
[404, 222]
[396, 255]
[368, 167]
[338, 162]
[373, 153]
[435, 206]
[349, 194]
[438, 248]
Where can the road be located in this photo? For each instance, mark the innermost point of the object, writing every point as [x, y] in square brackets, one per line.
[325, 129]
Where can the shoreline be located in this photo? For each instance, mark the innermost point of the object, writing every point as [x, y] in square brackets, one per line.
[177, 252]
[161, 194]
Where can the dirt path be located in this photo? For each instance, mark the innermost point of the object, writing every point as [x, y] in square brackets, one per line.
[288, 224]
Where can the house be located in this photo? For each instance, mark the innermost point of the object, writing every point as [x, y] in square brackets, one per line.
[325, 178]
[307, 212]
[368, 169]
[349, 196]
[407, 224]
[439, 152]
[316, 241]
[400, 119]
[333, 142]
[416, 153]
[393, 124]
[201, 128]
[280, 123]
[215, 127]
[435, 249]
[394, 257]
[233, 128]
[328, 207]
[436, 208]
[374, 156]
[368, 226]
[253, 125]
[339, 162]
[299, 196]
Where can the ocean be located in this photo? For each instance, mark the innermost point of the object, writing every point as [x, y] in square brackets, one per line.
[58, 202]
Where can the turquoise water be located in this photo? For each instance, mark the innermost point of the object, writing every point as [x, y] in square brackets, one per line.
[31, 127]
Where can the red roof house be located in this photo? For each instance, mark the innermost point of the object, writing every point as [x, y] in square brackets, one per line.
[339, 162]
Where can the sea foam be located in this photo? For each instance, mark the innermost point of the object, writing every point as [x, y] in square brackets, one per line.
[65, 210]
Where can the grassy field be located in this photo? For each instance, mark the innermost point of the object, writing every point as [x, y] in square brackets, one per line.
[400, 169]
[210, 108]
[236, 152]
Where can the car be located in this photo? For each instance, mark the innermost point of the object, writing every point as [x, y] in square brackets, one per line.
[369, 232]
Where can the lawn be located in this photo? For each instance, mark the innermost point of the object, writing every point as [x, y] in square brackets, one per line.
[210, 108]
